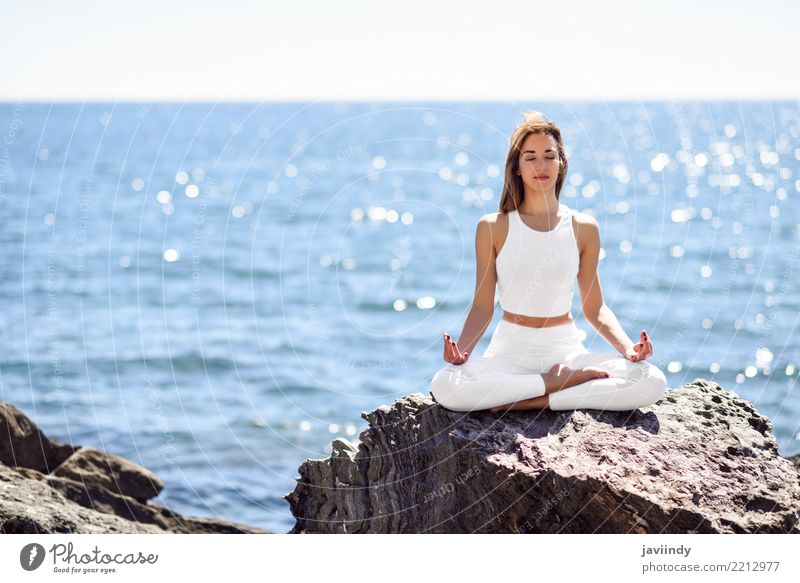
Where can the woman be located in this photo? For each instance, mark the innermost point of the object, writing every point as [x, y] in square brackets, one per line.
[533, 249]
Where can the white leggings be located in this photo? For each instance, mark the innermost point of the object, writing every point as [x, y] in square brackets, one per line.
[510, 368]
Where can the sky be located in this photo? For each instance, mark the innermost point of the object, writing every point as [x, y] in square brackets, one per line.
[176, 50]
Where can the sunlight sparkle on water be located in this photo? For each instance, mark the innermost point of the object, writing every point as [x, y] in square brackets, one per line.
[426, 302]
[674, 366]
[676, 251]
[659, 162]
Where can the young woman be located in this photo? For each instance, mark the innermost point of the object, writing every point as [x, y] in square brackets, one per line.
[532, 250]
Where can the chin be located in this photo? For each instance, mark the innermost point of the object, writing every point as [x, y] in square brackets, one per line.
[541, 185]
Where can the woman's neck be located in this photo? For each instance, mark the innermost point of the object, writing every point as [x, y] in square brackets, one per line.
[539, 203]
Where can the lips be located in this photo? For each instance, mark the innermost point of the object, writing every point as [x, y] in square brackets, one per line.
[542, 177]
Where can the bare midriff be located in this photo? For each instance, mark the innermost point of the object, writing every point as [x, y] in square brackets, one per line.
[537, 321]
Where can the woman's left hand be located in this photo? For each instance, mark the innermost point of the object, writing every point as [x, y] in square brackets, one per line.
[641, 350]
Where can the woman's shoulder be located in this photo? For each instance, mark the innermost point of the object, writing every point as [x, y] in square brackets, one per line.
[493, 227]
[582, 219]
[496, 223]
[587, 229]
[494, 218]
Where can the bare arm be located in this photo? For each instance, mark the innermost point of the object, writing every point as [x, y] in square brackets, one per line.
[482, 310]
[597, 313]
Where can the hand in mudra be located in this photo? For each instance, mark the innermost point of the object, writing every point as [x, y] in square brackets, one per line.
[451, 352]
[641, 350]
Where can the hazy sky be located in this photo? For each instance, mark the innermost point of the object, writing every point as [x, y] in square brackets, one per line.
[404, 49]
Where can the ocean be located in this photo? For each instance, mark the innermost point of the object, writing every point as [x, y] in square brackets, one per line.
[217, 290]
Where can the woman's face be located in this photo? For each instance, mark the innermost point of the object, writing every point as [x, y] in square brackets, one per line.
[539, 162]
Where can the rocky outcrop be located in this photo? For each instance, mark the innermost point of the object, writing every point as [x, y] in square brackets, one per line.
[795, 459]
[701, 460]
[47, 487]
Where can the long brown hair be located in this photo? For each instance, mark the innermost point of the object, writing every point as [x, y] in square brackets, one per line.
[534, 122]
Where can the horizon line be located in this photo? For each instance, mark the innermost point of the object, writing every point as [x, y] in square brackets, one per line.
[300, 99]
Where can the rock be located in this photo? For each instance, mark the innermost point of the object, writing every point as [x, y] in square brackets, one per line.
[701, 460]
[47, 487]
[795, 459]
[23, 444]
[92, 466]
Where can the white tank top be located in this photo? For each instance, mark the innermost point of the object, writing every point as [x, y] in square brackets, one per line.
[536, 270]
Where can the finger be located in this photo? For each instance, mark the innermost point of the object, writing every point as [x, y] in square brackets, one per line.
[448, 350]
[451, 343]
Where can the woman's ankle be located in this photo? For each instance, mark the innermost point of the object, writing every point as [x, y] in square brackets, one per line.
[552, 382]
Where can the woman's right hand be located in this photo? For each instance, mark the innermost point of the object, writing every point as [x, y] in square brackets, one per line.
[451, 352]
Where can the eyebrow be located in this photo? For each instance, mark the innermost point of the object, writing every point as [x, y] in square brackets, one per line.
[534, 151]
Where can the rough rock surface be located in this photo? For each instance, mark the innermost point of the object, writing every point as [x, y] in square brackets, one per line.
[47, 487]
[701, 460]
[795, 459]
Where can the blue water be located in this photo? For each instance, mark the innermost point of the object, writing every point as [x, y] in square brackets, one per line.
[217, 291]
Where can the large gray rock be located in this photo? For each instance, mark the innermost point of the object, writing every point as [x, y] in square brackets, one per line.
[47, 487]
[701, 460]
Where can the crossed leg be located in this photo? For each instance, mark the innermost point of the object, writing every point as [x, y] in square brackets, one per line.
[559, 377]
[630, 385]
[496, 383]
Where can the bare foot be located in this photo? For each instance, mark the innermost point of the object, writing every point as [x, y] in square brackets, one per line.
[557, 378]
[561, 377]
